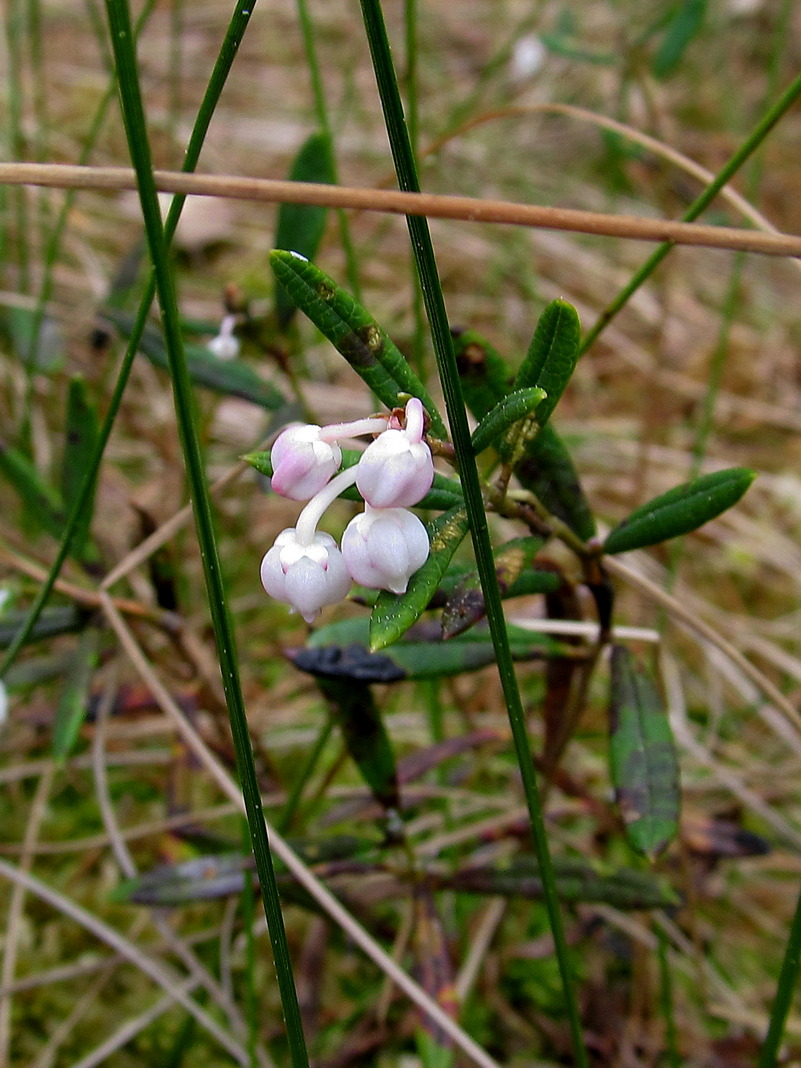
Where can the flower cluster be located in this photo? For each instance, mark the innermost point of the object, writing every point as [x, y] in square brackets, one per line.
[384, 545]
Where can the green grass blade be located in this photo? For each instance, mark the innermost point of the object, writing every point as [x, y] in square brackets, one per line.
[699, 205]
[43, 505]
[74, 703]
[136, 133]
[230, 46]
[321, 110]
[785, 992]
[423, 250]
[80, 445]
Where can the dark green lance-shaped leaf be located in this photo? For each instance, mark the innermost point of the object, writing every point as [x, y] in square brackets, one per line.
[552, 355]
[79, 447]
[444, 493]
[504, 415]
[42, 504]
[233, 378]
[644, 766]
[485, 376]
[74, 703]
[300, 227]
[576, 881]
[546, 468]
[681, 29]
[216, 875]
[394, 613]
[680, 510]
[199, 879]
[516, 577]
[56, 620]
[365, 736]
[340, 650]
[353, 332]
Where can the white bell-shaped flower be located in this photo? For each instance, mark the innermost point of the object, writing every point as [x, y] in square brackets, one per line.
[305, 576]
[302, 462]
[396, 470]
[383, 547]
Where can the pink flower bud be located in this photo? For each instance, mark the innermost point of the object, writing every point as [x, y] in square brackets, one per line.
[383, 547]
[396, 470]
[307, 577]
[302, 463]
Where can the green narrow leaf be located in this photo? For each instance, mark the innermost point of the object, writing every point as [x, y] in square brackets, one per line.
[57, 620]
[74, 703]
[552, 355]
[81, 439]
[547, 469]
[340, 651]
[576, 880]
[484, 375]
[682, 28]
[644, 765]
[395, 613]
[504, 415]
[680, 510]
[516, 576]
[444, 493]
[300, 227]
[232, 378]
[353, 332]
[42, 504]
[366, 739]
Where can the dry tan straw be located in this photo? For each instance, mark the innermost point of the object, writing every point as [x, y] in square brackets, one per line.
[469, 209]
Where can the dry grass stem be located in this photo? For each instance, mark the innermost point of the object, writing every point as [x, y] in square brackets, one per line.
[430, 205]
[300, 871]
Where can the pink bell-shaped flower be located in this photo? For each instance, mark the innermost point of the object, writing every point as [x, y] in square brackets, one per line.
[305, 576]
[396, 470]
[383, 547]
[302, 462]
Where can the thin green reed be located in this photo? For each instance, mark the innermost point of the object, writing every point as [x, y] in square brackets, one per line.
[699, 205]
[53, 243]
[422, 246]
[321, 109]
[139, 148]
[15, 36]
[219, 75]
[788, 981]
[717, 364]
[413, 124]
